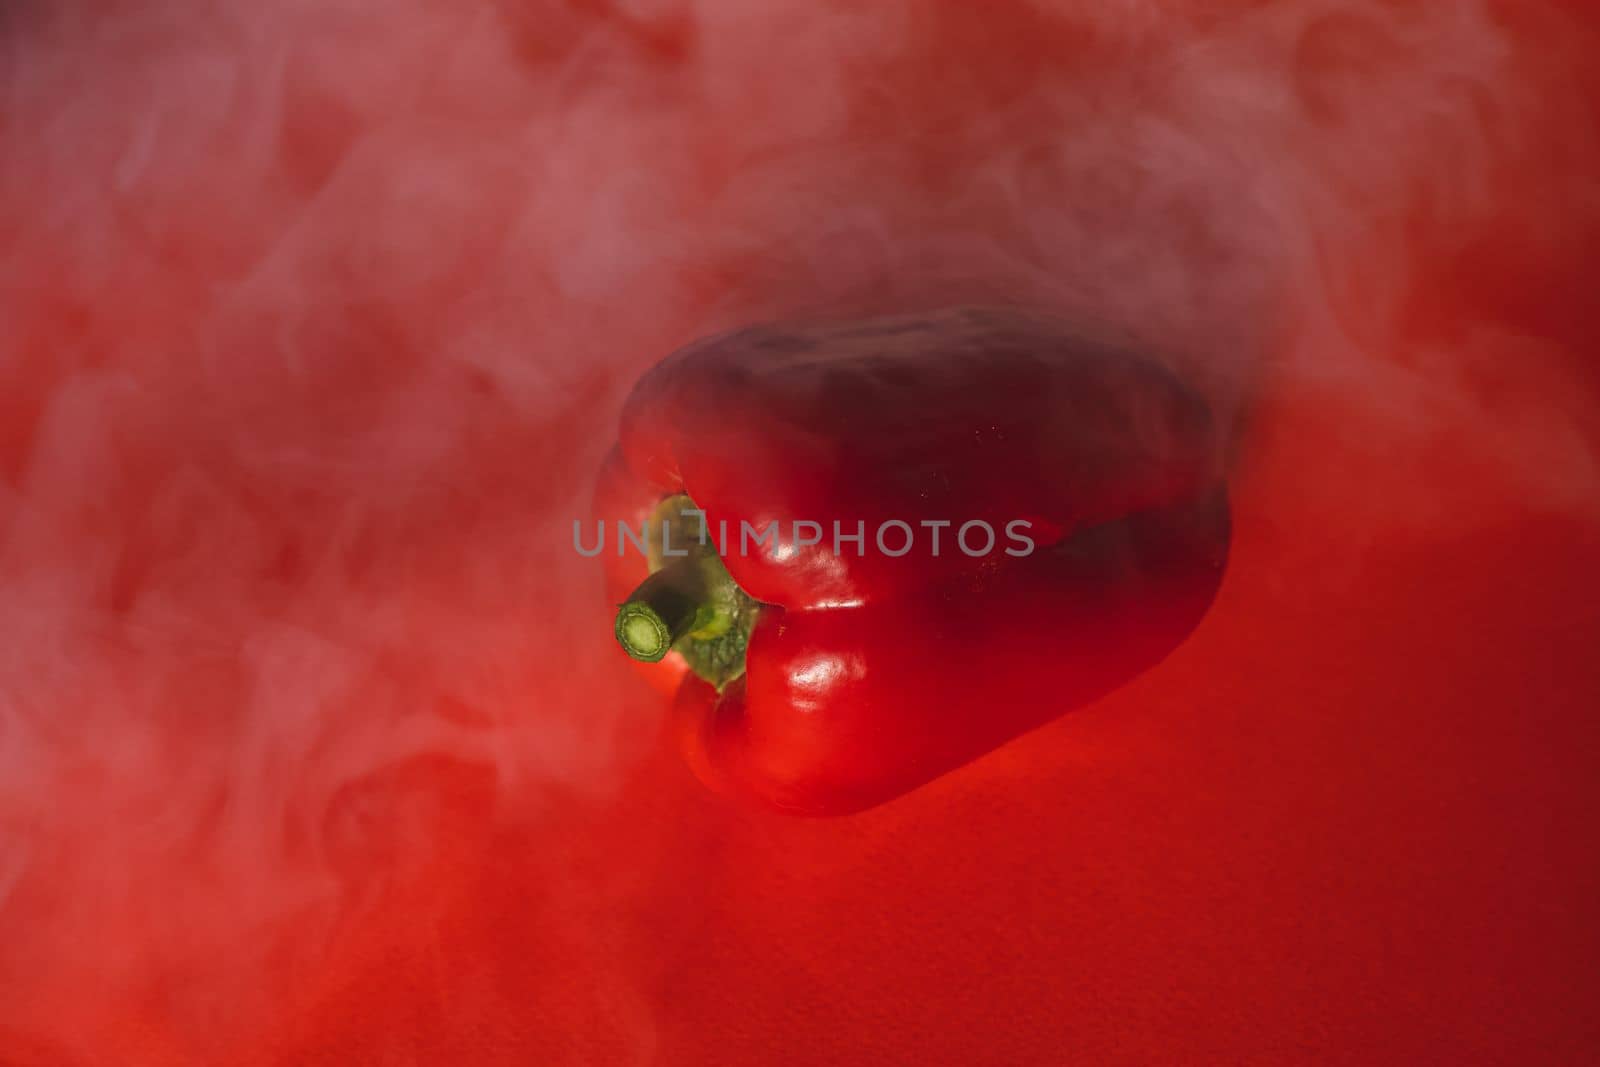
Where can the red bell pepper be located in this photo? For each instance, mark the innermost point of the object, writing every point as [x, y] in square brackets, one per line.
[824, 678]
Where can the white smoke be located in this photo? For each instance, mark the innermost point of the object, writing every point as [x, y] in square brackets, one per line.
[318, 318]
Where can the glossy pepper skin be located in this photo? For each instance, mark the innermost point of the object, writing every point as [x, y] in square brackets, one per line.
[868, 674]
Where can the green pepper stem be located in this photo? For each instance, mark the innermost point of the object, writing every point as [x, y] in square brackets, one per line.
[661, 610]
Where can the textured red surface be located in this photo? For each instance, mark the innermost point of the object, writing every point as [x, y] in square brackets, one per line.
[312, 747]
[1348, 823]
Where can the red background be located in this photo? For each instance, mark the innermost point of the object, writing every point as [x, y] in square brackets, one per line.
[315, 749]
